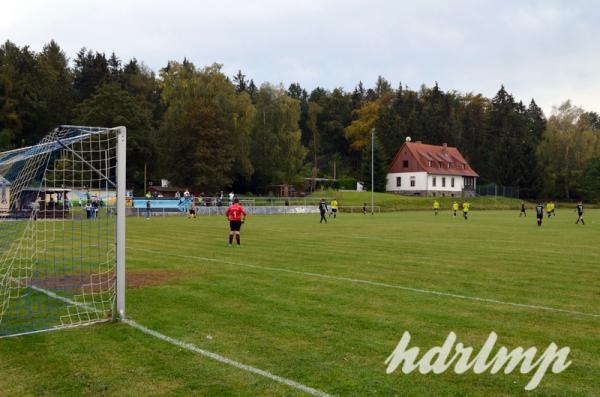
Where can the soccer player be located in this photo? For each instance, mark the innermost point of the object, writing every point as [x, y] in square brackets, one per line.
[523, 213]
[549, 209]
[334, 208]
[192, 210]
[436, 207]
[455, 207]
[364, 208]
[539, 212]
[553, 207]
[323, 210]
[580, 213]
[466, 210]
[236, 216]
[148, 206]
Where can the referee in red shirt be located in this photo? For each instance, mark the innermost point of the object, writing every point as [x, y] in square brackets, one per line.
[236, 215]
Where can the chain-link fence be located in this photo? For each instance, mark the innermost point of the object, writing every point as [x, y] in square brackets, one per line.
[497, 190]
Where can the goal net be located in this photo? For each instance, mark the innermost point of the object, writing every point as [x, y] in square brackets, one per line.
[62, 209]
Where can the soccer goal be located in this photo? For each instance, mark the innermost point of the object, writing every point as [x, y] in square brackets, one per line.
[62, 231]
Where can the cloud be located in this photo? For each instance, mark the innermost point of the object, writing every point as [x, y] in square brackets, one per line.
[539, 49]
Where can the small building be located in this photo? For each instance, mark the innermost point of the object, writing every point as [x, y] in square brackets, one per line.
[430, 170]
[4, 193]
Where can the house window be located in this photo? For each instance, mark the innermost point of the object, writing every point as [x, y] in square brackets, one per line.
[440, 164]
[430, 163]
[412, 181]
[452, 182]
[398, 181]
[443, 182]
[433, 181]
[405, 164]
[449, 164]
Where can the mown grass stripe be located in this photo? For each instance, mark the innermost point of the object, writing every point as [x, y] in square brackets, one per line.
[378, 284]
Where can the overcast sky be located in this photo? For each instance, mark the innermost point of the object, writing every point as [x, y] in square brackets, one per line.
[546, 50]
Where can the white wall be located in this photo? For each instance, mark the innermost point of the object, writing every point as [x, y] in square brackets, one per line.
[420, 181]
[458, 183]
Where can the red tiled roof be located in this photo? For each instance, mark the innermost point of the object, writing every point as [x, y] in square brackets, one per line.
[424, 153]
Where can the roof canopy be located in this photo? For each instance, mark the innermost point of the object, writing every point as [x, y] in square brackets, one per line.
[446, 160]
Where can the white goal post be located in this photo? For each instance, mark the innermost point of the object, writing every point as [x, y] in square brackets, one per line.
[62, 230]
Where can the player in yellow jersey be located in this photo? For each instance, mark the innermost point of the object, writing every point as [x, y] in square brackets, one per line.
[436, 207]
[549, 209]
[334, 208]
[455, 207]
[466, 206]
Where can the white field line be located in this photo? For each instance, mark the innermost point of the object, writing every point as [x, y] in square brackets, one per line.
[225, 360]
[195, 349]
[378, 284]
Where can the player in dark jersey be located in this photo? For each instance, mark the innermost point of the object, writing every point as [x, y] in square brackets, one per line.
[539, 212]
[323, 210]
[580, 213]
[523, 213]
[236, 216]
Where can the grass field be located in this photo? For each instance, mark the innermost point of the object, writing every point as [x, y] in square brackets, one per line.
[325, 305]
[397, 202]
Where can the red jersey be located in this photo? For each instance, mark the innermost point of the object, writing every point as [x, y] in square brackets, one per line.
[235, 212]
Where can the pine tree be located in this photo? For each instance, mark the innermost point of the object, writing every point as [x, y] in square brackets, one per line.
[240, 82]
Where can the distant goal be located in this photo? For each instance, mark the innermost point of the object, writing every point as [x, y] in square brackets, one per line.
[62, 231]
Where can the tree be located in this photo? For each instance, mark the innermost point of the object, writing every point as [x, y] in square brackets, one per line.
[56, 89]
[111, 106]
[277, 153]
[508, 138]
[207, 127]
[591, 181]
[21, 106]
[91, 70]
[567, 147]
[241, 84]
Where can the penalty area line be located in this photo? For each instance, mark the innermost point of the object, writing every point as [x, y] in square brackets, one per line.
[225, 360]
[380, 284]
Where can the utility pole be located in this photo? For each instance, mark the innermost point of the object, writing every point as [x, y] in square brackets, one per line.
[145, 179]
[334, 171]
[372, 172]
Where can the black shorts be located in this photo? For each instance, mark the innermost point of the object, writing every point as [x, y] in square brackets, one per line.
[540, 216]
[235, 226]
[334, 210]
[192, 212]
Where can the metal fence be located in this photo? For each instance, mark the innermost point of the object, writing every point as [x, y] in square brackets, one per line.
[251, 210]
[497, 190]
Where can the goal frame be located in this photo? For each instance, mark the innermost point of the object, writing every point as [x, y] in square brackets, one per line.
[119, 254]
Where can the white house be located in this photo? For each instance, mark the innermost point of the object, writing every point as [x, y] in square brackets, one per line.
[430, 170]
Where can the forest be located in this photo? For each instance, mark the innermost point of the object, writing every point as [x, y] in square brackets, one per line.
[202, 129]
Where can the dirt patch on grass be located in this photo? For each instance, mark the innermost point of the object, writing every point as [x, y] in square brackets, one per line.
[93, 283]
